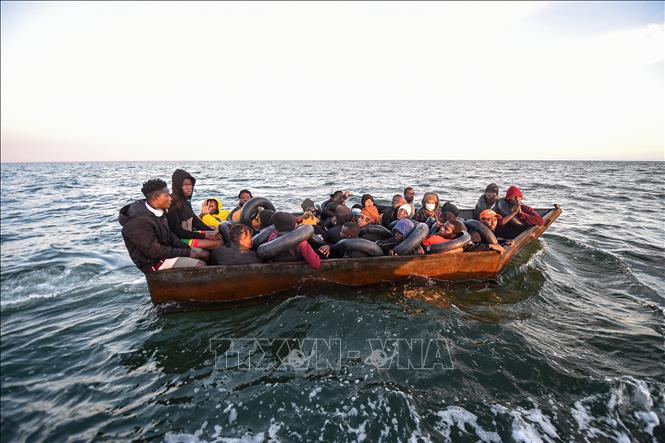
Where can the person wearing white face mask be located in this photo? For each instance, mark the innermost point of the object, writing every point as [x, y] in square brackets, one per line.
[429, 209]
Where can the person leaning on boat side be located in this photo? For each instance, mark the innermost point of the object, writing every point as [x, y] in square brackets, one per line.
[487, 200]
[525, 213]
[285, 223]
[447, 232]
[401, 230]
[183, 222]
[243, 197]
[492, 220]
[239, 251]
[343, 215]
[409, 195]
[149, 240]
[349, 230]
[390, 213]
[429, 209]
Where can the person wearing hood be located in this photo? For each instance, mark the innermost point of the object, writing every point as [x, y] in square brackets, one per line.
[525, 213]
[239, 251]
[212, 213]
[429, 209]
[243, 197]
[285, 223]
[150, 243]
[183, 222]
[369, 209]
[342, 215]
[401, 230]
[487, 200]
[390, 214]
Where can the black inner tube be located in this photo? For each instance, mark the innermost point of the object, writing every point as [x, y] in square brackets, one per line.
[262, 236]
[225, 229]
[485, 233]
[462, 240]
[251, 208]
[377, 230]
[285, 242]
[413, 240]
[359, 244]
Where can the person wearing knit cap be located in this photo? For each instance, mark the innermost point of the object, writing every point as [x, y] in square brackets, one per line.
[449, 212]
[285, 223]
[404, 212]
[525, 213]
[487, 200]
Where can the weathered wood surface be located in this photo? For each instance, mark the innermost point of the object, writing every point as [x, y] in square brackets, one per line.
[234, 283]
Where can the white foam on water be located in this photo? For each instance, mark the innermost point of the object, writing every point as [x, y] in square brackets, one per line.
[461, 418]
[270, 435]
[314, 393]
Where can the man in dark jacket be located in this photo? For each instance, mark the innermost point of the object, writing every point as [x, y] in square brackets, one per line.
[342, 215]
[150, 243]
[239, 252]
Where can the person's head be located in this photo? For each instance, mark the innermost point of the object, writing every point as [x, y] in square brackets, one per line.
[213, 206]
[514, 196]
[409, 194]
[241, 236]
[284, 222]
[156, 193]
[363, 219]
[308, 205]
[451, 229]
[404, 211]
[182, 183]
[265, 217]
[402, 229]
[449, 212]
[342, 215]
[398, 200]
[367, 200]
[350, 230]
[491, 192]
[243, 197]
[489, 218]
[430, 201]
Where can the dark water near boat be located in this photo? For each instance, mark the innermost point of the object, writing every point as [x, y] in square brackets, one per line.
[568, 346]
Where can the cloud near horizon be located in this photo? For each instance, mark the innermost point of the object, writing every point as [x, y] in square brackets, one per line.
[184, 81]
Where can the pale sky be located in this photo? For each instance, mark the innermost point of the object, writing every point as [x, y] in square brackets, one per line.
[87, 81]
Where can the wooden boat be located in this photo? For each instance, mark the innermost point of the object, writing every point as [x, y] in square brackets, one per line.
[242, 282]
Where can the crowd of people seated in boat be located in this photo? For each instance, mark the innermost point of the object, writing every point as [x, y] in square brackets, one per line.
[162, 231]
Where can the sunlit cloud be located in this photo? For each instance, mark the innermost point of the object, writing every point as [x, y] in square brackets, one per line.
[151, 81]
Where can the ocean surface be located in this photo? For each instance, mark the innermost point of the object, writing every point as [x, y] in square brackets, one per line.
[567, 345]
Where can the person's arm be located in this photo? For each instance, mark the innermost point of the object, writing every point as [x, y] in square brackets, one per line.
[530, 216]
[198, 225]
[176, 227]
[311, 257]
[142, 235]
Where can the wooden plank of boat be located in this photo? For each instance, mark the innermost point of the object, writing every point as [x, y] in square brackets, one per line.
[242, 282]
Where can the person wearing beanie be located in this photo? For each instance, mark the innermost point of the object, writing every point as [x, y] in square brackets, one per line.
[449, 212]
[243, 197]
[285, 223]
[429, 209]
[390, 214]
[183, 222]
[404, 212]
[525, 213]
[487, 200]
[149, 241]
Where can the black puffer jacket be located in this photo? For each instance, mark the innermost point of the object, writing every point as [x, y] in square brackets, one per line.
[147, 237]
[181, 211]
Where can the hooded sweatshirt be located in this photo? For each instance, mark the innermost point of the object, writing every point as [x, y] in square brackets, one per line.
[182, 220]
[147, 236]
[213, 220]
[423, 214]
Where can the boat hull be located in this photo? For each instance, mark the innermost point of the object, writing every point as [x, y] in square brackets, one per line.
[217, 284]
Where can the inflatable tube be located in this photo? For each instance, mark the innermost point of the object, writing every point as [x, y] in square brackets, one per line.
[462, 240]
[287, 241]
[376, 230]
[392, 225]
[359, 244]
[461, 220]
[485, 233]
[504, 210]
[262, 236]
[251, 208]
[225, 229]
[316, 241]
[413, 240]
